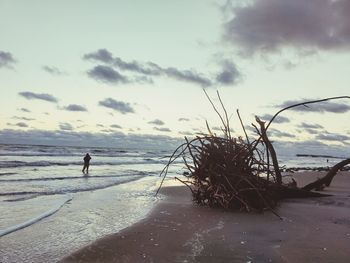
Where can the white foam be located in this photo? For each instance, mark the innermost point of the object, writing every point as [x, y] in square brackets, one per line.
[36, 219]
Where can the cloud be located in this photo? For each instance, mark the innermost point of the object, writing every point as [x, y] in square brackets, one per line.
[53, 70]
[116, 126]
[320, 107]
[278, 119]
[310, 131]
[333, 137]
[148, 68]
[23, 118]
[102, 55]
[309, 147]
[66, 126]
[216, 128]
[157, 122]
[18, 124]
[162, 129]
[188, 76]
[39, 96]
[69, 138]
[229, 74]
[119, 106]
[74, 107]
[146, 71]
[186, 133]
[6, 59]
[183, 119]
[278, 133]
[310, 126]
[270, 25]
[24, 110]
[107, 74]
[21, 124]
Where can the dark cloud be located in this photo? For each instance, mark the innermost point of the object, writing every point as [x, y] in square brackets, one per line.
[23, 118]
[229, 74]
[74, 107]
[216, 128]
[108, 130]
[66, 126]
[22, 124]
[39, 96]
[100, 125]
[219, 129]
[269, 25]
[119, 106]
[183, 119]
[250, 129]
[24, 110]
[19, 124]
[107, 74]
[147, 70]
[162, 129]
[278, 133]
[310, 126]
[321, 107]
[278, 119]
[186, 133]
[157, 122]
[116, 126]
[332, 137]
[6, 59]
[309, 147]
[101, 55]
[311, 131]
[188, 76]
[53, 70]
[69, 138]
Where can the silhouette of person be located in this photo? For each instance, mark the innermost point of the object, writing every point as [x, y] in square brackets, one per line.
[87, 159]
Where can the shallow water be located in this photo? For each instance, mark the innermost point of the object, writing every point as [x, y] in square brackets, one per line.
[88, 216]
[49, 209]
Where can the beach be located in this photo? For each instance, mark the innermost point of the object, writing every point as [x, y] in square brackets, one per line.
[176, 230]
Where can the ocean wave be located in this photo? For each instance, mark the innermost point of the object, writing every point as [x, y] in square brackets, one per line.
[36, 219]
[42, 150]
[72, 177]
[74, 190]
[99, 154]
[3, 174]
[12, 164]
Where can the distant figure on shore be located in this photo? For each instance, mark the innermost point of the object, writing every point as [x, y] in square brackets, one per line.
[87, 159]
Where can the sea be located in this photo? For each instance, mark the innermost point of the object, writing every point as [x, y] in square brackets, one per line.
[49, 208]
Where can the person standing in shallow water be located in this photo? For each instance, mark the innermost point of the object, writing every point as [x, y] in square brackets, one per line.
[87, 159]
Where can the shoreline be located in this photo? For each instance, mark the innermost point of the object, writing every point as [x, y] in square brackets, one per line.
[176, 230]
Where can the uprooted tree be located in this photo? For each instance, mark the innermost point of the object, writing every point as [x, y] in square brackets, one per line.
[241, 174]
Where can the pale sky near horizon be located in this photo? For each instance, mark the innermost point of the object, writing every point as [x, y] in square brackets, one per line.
[135, 70]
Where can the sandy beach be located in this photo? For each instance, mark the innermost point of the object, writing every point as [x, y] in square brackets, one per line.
[312, 230]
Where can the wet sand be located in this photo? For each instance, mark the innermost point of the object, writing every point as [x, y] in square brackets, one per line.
[312, 230]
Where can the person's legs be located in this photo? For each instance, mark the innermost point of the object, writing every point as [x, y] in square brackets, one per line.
[87, 168]
[84, 168]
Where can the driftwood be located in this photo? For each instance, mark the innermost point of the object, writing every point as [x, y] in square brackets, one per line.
[327, 179]
[233, 173]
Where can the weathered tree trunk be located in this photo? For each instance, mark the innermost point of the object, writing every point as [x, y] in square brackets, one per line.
[271, 150]
[327, 179]
[283, 192]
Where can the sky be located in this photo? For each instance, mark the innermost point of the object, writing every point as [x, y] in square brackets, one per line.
[132, 73]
